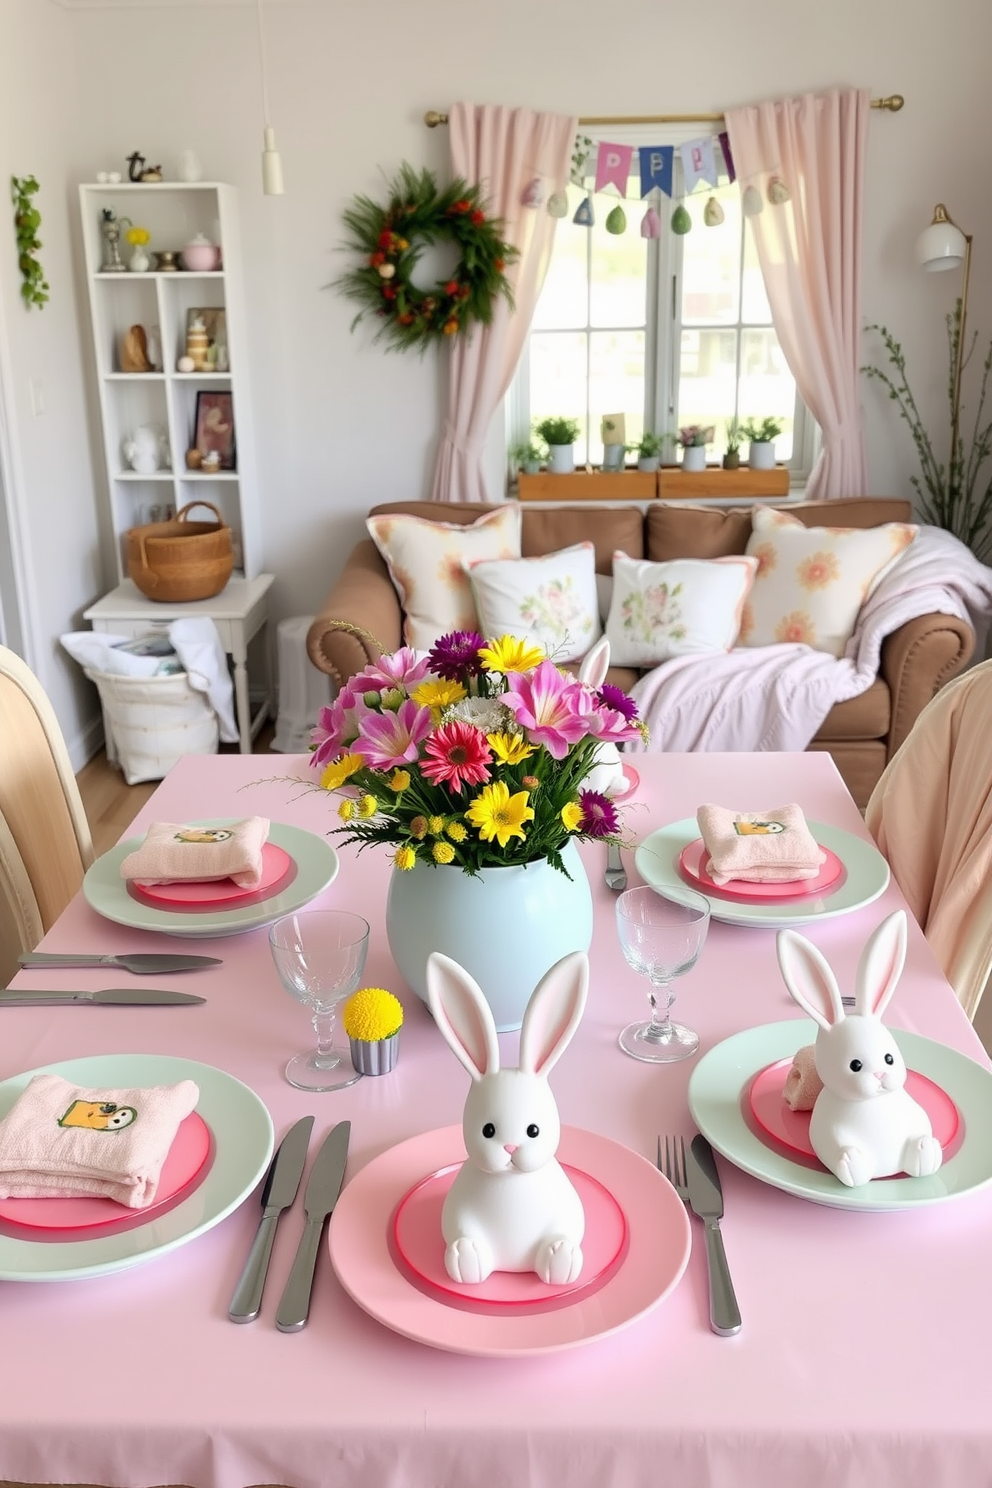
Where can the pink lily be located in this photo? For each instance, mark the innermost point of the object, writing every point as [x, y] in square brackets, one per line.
[399, 669]
[391, 739]
[549, 707]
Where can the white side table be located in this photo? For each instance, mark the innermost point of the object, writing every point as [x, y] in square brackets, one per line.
[239, 612]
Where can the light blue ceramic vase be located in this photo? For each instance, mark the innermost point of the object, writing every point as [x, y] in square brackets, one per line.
[506, 927]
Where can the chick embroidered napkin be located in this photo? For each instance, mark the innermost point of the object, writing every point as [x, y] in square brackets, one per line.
[60, 1140]
[759, 847]
[173, 853]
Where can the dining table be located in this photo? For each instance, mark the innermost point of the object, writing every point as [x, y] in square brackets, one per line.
[859, 1362]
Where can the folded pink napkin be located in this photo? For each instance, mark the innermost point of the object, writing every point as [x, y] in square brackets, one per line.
[802, 1083]
[173, 853]
[59, 1140]
[758, 846]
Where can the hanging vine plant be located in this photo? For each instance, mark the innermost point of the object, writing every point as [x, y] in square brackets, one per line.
[27, 220]
[390, 240]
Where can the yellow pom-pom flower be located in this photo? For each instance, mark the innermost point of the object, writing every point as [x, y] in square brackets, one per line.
[372, 1014]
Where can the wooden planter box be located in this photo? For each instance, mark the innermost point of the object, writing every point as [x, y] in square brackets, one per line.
[676, 484]
[589, 485]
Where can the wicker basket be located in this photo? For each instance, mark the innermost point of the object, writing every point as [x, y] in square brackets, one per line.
[181, 560]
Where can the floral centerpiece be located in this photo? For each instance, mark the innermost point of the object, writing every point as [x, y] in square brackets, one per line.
[473, 756]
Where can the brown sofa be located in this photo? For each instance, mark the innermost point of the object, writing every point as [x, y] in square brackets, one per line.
[362, 618]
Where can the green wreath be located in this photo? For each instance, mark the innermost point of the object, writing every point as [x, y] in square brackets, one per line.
[391, 240]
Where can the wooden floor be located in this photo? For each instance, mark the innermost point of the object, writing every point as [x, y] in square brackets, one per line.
[111, 805]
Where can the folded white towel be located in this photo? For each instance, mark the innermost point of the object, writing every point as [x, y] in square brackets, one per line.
[759, 846]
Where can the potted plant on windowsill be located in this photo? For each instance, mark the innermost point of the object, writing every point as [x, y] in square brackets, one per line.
[694, 438]
[528, 456]
[649, 451]
[732, 446]
[761, 435]
[559, 434]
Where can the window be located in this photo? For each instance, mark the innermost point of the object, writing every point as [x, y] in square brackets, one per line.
[669, 331]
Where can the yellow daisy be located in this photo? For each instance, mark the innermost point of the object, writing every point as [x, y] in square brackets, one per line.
[510, 749]
[498, 814]
[509, 654]
[437, 693]
[336, 773]
[571, 815]
[404, 857]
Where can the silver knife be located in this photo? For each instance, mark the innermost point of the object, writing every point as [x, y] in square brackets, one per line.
[323, 1188]
[108, 996]
[706, 1199]
[281, 1185]
[143, 964]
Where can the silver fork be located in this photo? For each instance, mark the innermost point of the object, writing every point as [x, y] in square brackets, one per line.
[673, 1166]
[616, 874]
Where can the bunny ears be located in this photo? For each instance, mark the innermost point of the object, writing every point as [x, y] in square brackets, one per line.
[813, 986]
[550, 1019]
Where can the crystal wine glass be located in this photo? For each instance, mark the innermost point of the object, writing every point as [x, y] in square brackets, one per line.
[320, 957]
[662, 934]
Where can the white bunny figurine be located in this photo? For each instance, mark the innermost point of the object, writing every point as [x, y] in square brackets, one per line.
[606, 775]
[511, 1206]
[864, 1124]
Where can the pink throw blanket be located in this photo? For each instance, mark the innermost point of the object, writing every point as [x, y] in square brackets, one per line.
[776, 697]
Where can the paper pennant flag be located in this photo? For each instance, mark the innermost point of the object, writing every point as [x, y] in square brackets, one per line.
[751, 203]
[558, 204]
[728, 158]
[656, 168]
[581, 152]
[533, 194]
[681, 221]
[583, 213]
[613, 166]
[712, 213]
[698, 163]
[651, 224]
[616, 222]
[778, 192]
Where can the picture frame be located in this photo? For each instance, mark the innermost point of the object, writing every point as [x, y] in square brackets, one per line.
[214, 426]
[215, 320]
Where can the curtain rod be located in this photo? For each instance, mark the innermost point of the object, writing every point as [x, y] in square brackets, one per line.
[892, 104]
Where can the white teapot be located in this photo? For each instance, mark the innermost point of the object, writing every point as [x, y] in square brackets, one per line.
[147, 449]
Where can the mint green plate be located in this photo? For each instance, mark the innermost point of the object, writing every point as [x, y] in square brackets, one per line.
[718, 1085]
[316, 867]
[866, 876]
[240, 1126]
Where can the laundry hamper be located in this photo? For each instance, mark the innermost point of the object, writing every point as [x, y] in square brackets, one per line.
[151, 722]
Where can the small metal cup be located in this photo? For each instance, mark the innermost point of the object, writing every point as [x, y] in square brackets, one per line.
[375, 1056]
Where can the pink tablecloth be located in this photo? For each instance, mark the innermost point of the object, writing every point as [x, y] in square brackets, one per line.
[863, 1357]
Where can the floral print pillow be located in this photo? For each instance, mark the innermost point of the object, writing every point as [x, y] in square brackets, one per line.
[812, 581]
[689, 605]
[551, 600]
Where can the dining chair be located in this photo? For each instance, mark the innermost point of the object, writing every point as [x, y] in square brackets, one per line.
[45, 842]
[931, 816]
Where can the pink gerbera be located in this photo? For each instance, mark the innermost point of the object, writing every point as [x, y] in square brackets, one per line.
[550, 707]
[458, 754]
[391, 739]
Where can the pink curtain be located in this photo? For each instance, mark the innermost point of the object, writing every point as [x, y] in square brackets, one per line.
[809, 248]
[503, 150]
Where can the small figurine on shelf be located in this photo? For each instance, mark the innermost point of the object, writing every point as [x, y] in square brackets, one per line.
[194, 459]
[134, 350]
[210, 464]
[110, 226]
[197, 343]
[135, 165]
[153, 173]
[139, 238]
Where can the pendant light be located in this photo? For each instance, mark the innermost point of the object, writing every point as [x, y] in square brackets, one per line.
[271, 162]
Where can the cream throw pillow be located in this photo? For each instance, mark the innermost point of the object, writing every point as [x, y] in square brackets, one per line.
[426, 563]
[689, 605]
[551, 600]
[812, 581]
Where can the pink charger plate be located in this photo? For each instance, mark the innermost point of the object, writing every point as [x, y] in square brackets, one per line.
[277, 868]
[187, 1160]
[360, 1235]
[791, 1128]
[693, 857]
[419, 1247]
[631, 783]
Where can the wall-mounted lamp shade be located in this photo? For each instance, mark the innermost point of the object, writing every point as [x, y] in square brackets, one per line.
[941, 245]
[271, 166]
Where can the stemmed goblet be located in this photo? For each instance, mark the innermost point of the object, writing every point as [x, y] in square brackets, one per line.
[662, 934]
[320, 957]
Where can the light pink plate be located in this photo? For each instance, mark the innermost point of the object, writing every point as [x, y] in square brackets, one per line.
[418, 1246]
[693, 858]
[791, 1128]
[277, 867]
[657, 1253]
[186, 1161]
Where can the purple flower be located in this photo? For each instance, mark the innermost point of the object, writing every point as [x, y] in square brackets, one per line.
[549, 707]
[455, 656]
[599, 815]
[391, 739]
[617, 699]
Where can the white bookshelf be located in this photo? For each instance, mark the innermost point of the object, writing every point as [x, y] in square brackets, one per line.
[173, 213]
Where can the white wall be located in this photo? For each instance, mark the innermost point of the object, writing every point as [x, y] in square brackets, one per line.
[341, 424]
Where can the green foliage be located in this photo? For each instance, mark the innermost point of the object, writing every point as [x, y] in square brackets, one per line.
[558, 430]
[390, 240]
[957, 497]
[759, 431]
[27, 220]
[734, 438]
[650, 445]
[530, 453]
